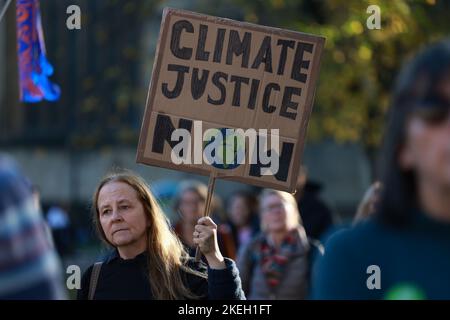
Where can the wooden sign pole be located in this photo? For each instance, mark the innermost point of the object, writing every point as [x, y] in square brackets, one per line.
[211, 182]
[182, 53]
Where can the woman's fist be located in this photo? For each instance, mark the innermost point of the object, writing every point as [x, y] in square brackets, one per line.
[205, 236]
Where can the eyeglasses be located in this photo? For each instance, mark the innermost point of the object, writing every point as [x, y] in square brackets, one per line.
[275, 206]
[433, 116]
[433, 112]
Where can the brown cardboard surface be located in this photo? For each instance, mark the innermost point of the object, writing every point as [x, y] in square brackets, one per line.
[194, 49]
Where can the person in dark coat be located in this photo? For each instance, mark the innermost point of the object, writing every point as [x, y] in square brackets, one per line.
[402, 250]
[29, 266]
[316, 216]
[148, 260]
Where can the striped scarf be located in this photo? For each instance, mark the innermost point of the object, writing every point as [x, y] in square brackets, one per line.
[273, 260]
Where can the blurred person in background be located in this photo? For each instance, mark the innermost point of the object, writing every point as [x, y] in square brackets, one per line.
[243, 217]
[408, 238]
[29, 267]
[148, 261]
[190, 204]
[275, 265]
[316, 216]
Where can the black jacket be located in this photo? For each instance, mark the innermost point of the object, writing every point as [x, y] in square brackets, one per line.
[121, 279]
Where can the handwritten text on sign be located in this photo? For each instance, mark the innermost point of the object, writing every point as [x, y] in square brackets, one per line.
[230, 74]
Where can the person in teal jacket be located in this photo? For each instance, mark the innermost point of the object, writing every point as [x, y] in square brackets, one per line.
[403, 251]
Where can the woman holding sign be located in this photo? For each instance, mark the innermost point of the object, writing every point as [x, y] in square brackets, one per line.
[148, 260]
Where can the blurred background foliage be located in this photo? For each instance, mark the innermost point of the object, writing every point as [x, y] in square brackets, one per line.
[104, 68]
[359, 65]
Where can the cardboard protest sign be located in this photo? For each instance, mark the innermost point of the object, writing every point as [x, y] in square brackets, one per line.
[223, 93]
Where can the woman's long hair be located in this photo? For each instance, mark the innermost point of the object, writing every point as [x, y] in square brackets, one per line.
[166, 255]
[417, 84]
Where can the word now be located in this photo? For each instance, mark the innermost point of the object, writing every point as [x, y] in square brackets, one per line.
[165, 127]
[226, 147]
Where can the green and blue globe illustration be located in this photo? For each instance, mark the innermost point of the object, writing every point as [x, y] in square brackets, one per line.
[232, 143]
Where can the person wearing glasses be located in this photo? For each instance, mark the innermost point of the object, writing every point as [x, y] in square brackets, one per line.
[275, 264]
[403, 250]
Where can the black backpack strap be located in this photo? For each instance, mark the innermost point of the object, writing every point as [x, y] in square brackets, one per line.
[94, 279]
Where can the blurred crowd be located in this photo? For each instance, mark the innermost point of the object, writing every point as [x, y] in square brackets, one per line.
[288, 246]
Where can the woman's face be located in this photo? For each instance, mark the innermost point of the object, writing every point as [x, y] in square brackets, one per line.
[427, 148]
[239, 211]
[121, 214]
[274, 213]
[191, 206]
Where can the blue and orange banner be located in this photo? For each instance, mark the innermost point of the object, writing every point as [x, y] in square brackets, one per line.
[34, 68]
